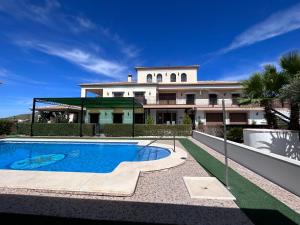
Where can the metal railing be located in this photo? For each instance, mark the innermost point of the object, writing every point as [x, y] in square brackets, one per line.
[157, 139]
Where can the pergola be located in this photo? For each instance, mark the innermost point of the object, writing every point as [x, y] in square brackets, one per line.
[90, 103]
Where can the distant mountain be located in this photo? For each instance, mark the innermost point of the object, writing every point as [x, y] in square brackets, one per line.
[19, 117]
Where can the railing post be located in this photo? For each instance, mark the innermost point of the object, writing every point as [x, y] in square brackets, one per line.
[81, 117]
[225, 144]
[32, 116]
[133, 105]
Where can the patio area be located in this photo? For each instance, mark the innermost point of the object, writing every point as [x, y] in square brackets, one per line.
[160, 197]
[162, 194]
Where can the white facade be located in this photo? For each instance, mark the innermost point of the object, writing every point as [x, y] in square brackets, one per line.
[166, 73]
[168, 93]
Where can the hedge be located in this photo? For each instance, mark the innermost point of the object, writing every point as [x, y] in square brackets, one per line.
[5, 127]
[119, 130]
[56, 129]
[109, 130]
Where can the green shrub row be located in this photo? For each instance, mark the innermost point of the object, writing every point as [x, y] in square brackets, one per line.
[109, 130]
[6, 127]
[56, 129]
[119, 130]
[163, 130]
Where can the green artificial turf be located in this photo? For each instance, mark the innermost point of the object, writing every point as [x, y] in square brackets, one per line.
[258, 205]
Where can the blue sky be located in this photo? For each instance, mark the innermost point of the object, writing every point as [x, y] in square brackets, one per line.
[48, 47]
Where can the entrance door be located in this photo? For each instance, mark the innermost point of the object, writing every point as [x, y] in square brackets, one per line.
[118, 118]
[94, 117]
[238, 118]
[166, 117]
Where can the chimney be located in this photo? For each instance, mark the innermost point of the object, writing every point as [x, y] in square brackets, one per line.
[129, 78]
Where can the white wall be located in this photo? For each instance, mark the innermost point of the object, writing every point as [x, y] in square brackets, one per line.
[281, 142]
[166, 73]
[257, 117]
[280, 170]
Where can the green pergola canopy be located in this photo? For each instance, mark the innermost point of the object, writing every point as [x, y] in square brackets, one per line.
[95, 102]
[90, 102]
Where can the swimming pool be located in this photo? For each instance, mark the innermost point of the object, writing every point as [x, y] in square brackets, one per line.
[101, 157]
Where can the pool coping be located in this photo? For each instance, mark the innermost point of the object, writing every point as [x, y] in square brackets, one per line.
[121, 181]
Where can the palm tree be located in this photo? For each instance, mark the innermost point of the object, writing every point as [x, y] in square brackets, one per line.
[262, 88]
[290, 64]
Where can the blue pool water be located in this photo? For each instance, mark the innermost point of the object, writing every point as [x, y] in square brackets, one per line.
[73, 156]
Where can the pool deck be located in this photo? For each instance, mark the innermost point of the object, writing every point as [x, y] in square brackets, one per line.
[159, 197]
[121, 181]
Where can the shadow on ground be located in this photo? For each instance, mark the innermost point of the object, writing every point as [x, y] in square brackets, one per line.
[54, 210]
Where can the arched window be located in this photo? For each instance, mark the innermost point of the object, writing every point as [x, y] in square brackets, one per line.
[183, 77]
[173, 77]
[159, 78]
[149, 78]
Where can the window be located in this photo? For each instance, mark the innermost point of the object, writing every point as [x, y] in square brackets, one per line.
[173, 77]
[183, 77]
[140, 97]
[159, 78]
[149, 78]
[213, 99]
[118, 94]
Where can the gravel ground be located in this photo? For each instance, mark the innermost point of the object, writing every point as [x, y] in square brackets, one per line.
[288, 198]
[160, 197]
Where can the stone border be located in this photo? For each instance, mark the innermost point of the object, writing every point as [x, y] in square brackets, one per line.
[120, 182]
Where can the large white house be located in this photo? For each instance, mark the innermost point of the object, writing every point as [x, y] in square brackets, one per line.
[167, 93]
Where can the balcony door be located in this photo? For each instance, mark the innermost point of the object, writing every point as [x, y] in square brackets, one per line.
[167, 98]
[190, 99]
[213, 99]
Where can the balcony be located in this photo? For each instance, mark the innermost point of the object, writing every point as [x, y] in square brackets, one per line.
[167, 102]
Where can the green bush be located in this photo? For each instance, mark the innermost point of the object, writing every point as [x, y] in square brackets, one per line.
[235, 134]
[117, 130]
[5, 127]
[125, 130]
[56, 129]
[186, 119]
[163, 130]
[150, 120]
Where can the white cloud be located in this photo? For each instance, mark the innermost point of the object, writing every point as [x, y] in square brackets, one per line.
[84, 59]
[246, 71]
[235, 76]
[24, 10]
[85, 22]
[277, 24]
[12, 78]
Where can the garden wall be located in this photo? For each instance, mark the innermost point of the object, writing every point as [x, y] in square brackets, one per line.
[279, 169]
[281, 142]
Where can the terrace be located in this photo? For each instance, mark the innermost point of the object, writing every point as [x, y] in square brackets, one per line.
[131, 194]
[164, 194]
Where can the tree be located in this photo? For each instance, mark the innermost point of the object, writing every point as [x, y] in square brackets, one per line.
[292, 90]
[290, 64]
[262, 88]
[186, 119]
[150, 120]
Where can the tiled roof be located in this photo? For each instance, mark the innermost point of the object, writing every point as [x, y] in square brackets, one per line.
[166, 67]
[163, 84]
